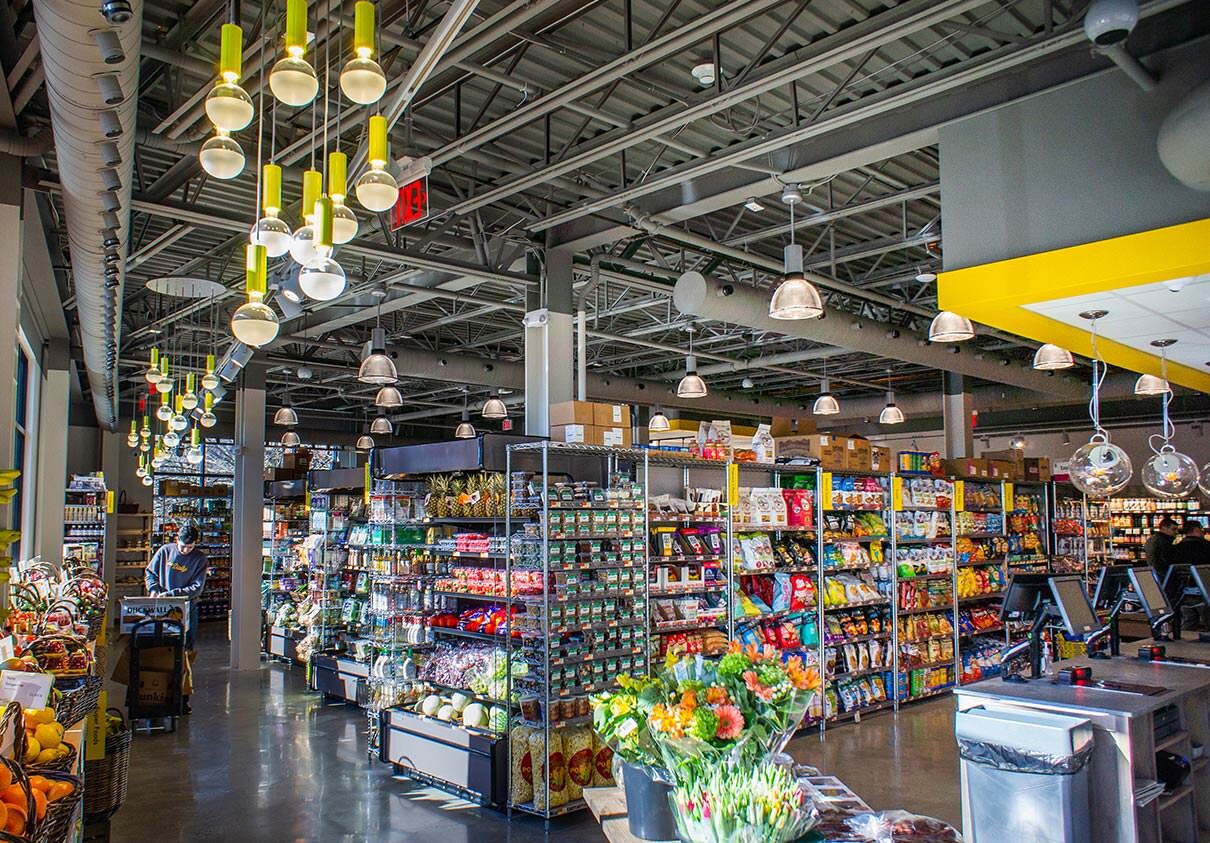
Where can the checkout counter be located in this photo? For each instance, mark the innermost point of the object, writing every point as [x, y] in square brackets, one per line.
[1105, 749]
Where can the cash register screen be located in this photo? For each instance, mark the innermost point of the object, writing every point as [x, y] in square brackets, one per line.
[1147, 587]
[1077, 611]
[1201, 576]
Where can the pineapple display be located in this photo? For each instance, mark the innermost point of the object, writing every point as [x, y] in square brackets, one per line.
[458, 503]
[439, 490]
[497, 491]
[482, 496]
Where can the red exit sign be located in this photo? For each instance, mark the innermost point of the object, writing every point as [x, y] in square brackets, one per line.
[412, 204]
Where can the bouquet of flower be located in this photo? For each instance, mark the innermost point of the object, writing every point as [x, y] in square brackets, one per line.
[726, 805]
[738, 709]
[622, 718]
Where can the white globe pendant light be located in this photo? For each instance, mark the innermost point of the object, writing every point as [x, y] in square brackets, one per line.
[377, 189]
[302, 244]
[270, 231]
[228, 105]
[361, 79]
[293, 79]
[221, 157]
[254, 323]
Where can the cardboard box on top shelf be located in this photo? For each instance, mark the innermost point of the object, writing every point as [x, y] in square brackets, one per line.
[614, 437]
[572, 412]
[1002, 470]
[1037, 469]
[857, 454]
[300, 459]
[880, 458]
[611, 415]
[1006, 455]
[967, 467]
[573, 433]
[792, 426]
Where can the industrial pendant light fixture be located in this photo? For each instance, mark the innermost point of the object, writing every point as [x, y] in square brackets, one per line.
[362, 79]
[1050, 357]
[270, 230]
[365, 442]
[1018, 442]
[389, 398]
[948, 326]
[826, 404]
[1098, 468]
[891, 414]
[285, 416]
[302, 243]
[377, 189]
[381, 426]
[494, 408]
[290, 439]
[465, 430]
[1152, 385]
[254, 323]
[795, 297]
[1168, 474]
[292, 80]
[377, 368]
[228, 105]
[658, 423]
[691, 385]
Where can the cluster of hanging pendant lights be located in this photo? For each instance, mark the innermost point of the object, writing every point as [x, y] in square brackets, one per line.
[176, 407]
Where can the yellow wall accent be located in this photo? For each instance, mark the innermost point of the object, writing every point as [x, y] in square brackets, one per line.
[995, 293]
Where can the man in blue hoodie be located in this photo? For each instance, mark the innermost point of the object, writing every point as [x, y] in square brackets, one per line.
[178, 569]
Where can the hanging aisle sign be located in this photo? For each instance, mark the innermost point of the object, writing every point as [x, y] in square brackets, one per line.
[412, 204]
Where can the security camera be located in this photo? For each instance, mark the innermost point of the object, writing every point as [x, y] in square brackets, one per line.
[726, 290]
[117, 12]
[1109, 22]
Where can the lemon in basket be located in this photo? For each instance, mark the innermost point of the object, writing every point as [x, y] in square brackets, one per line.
[32, 750]
[48, 736]
[46, 756]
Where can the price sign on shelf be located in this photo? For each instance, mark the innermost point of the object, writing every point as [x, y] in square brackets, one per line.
[29, 689]
[412, 204]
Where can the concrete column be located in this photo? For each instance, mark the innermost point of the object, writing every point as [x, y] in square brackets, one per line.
[11, 195]
[956, 408]
[549, 342]
[246, 528]
[52, 452]
[112, 443]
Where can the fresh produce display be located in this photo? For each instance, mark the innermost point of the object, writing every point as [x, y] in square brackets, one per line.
[44, 743]
[761, 805]
[475, 495]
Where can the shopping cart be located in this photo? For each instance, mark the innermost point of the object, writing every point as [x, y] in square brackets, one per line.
[157, 668]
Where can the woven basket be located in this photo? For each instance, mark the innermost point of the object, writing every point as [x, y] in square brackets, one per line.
[72, 644]
[107, 778]
[19, 778]
[58, 765]
[58, 823]
[78, 702]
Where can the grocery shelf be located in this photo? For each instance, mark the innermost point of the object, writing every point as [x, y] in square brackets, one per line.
[922, 610]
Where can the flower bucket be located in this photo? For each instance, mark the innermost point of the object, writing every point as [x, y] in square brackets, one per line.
[649, 812]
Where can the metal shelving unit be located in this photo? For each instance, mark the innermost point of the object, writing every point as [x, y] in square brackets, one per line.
[980, 552]
[85, 518]
[132, 552]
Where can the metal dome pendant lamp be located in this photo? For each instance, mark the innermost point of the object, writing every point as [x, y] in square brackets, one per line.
[795, 297]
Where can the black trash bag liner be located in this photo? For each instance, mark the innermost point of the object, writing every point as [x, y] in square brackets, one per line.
[1015, 760]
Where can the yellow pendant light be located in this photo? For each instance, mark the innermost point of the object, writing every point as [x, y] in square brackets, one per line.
[362, 79]
[153, 370]
[344, 221]
[208, 419]
[255, 323]
[270, 230]
[302, 246]
[164, 384]
[377, 189]
[194, 455]
[210, 379]
[228, 105]
[189, 398]
[292, 79]
[323, 278]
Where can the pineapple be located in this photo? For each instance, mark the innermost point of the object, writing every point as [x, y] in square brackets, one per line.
[482, 505]
[456, 501]
[439, 486]
[497, 494]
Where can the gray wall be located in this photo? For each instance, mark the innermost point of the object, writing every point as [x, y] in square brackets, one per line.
[1073, 165]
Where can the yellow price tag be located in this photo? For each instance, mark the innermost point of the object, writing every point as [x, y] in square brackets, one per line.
[307, 500]
[959, 495]
[109, 502]
[825, 490]
[897, 493]
[94, 730]
[369, 486]
[733, 484]
[1008, 497]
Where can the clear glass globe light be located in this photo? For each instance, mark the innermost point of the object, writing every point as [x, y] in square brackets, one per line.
[172, 438]
[132, 440]
[147, 481]
[1170, 475]
[178, 422]
[208, 419]
[254, 324]
[221, 157]
[189, 400]
[229, 107]
[152, 375]
[344, 224]
[293, 81]
[141, 471]
[1100, 468]
[194, 455]
[363, 81]
[144, 446]
[163, 412]
[210, 381]
[322, 279]
[163, 385]
[377, 190]
[274, 234]
[302, 244]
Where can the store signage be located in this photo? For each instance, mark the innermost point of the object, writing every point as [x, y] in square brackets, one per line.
[29, 689]
[412, 204]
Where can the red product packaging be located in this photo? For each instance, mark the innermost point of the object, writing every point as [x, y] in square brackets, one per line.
[802, 592]
[798, 507]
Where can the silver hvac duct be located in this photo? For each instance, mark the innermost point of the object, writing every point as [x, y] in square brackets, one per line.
[93, 133]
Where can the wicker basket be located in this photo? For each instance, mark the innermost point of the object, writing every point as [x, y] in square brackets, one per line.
[107, 778]
[56, 826]
[19, 778]
[78, 702]
[58, 765]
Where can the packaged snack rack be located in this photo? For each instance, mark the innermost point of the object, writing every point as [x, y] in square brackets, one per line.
[924, 586]
[283, 575]
[1081, 534]
[981, 572]
[856, 591]
[1133, 520]
[1028, 527]
[775, 552]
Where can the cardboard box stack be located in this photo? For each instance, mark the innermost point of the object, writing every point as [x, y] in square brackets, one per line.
[587, 423]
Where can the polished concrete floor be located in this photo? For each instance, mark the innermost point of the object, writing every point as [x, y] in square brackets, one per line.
[262, 759]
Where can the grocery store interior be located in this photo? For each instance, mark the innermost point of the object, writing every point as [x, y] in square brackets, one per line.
[605, 420]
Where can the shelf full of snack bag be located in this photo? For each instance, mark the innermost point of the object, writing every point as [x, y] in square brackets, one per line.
[1027, 528]
[687, 581]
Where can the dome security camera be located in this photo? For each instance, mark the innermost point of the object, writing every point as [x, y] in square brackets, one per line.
[117, 12]
[1109, 22]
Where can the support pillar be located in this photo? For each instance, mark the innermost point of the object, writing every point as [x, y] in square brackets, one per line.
[112, 443]
[54, 395]
[549, 344]
[246, 539]
[956, 408]
[11, 195]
